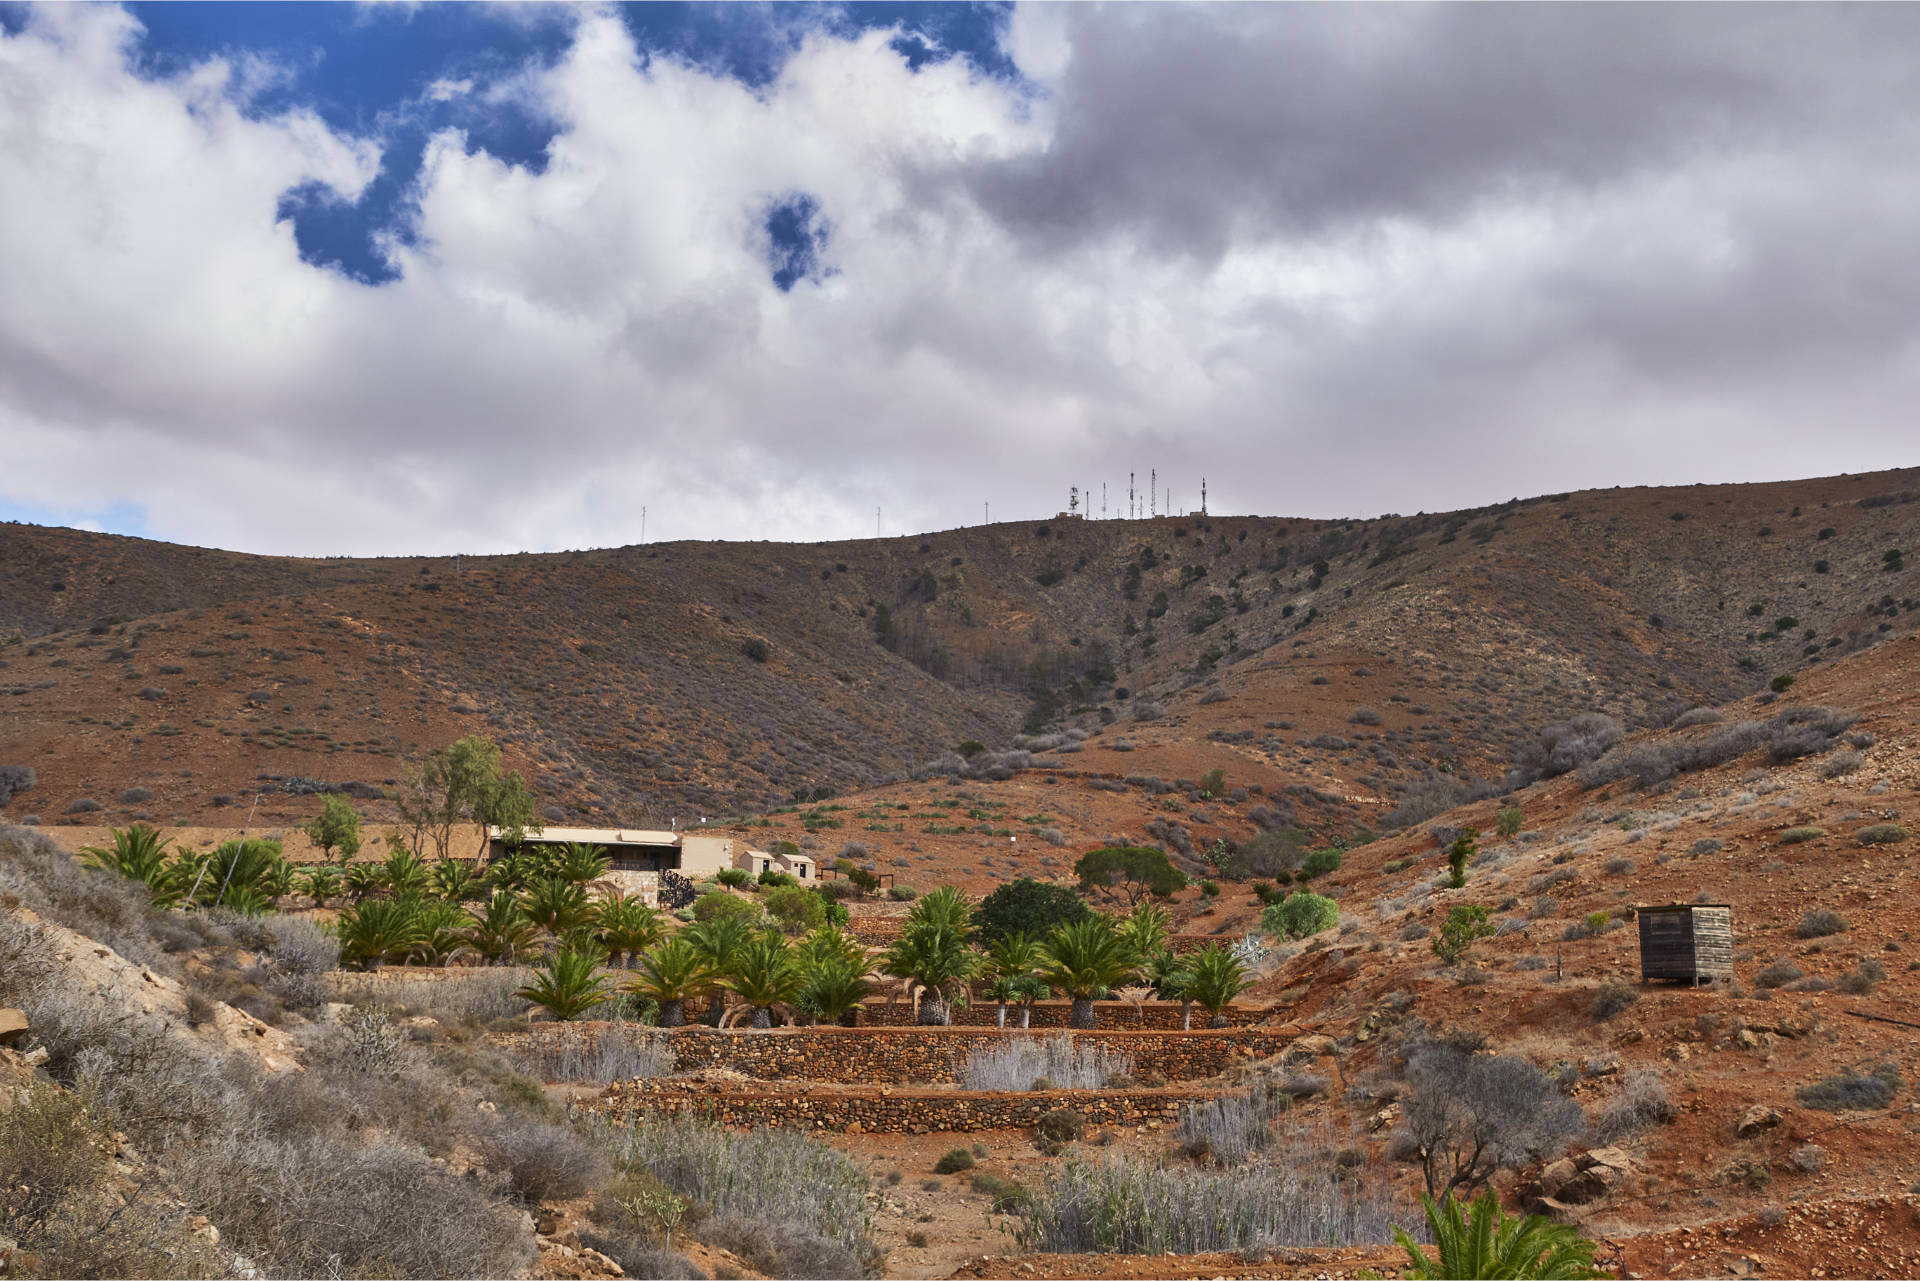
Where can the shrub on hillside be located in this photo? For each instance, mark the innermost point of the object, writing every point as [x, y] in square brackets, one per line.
[1851, 1091]
[1300, 915]
[1612, 998]
[1016, 1064]
[1641, 1104]
[1882, 834]
[1818, 922]
[1801, 835]
[1232, 1127]
[15, 779]
[954, 1161]
[1567, 745]
[1472, 1115]
[1778, 974]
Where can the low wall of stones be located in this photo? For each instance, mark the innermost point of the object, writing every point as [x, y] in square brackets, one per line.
[1150, 1015]
[896, 1112]
[914, 1056]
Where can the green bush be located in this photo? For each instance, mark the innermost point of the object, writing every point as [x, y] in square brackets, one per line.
[1613, 997]
[733, 877]
[1818, 922]
[1508, 822]
[1465, 923]
[1320, 862]
[1850, 1091]
[954, 1162]
[1781, 683]
[1882, 834]
[1300, 915]
[1801, 835]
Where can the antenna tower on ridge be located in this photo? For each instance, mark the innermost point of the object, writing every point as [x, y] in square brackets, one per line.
[1153, 492]
[1203, 495]
[1073, 500]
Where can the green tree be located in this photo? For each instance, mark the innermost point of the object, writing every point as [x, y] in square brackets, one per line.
[566, 984]
[1490, 1245]
[764, 975]
[1215, 978]
[673, 973]
[626, 926]
[721, 939]
[379, 930]
[1130, 871]
[139, 853]
[462, 785]
[832, 987]
[934, 953]
[337, 828]
[1084, 960]
[557, 906]
[580, 862]
[1463, 849]
[1147, 929]
[1321, 861]
[236, 875]
[1508, 822]
[501, 931]
[405, 873]
[321, 883]
[1465, 922]
[1300, 915]
[795, 909]
[443, 931]
[1013, 967]
[1026, 906]
[1213, 784]
[719, 905]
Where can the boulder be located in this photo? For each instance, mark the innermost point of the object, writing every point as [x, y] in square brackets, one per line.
[13, 1026]
[1755, 1120]
[1311, 1047]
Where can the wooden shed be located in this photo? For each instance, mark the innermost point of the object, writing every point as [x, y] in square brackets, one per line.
[1690, 941]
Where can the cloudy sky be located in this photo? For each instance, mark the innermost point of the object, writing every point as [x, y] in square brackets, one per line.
[395, 278]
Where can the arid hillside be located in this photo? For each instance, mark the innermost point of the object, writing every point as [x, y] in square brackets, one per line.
[644, 684]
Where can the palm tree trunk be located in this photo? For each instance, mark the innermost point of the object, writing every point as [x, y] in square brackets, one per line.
[1186, 1016]
[1026, 1016]
[1219, 1019]
[932, 1010]
[1000, 1014]
[673, 1014]
[762, 1017]
[1082, 1017]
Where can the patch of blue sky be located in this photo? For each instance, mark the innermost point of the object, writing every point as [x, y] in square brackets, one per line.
[117, 518]
[400, 74]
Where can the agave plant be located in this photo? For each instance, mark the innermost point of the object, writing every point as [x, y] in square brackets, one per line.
[501, 931]
[1489, 1244]
[557, 905]
[320, 884]
[673, 973]
[832, 987]
[1214, 977]
[1085, 958]
[580, 862]
[764, 975]
[566, 984]
[453, 880]
[139, 853]
[626, 926]
[377, 930]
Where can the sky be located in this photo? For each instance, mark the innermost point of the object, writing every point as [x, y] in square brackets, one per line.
[400, 278]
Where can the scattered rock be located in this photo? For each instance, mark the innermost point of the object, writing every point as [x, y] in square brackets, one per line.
[1754, 1120]
[13, 1026]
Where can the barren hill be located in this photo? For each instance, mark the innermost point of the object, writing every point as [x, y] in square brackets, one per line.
[642, 683]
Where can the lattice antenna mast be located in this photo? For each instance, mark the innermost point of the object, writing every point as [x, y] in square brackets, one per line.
[1103, 500]
[1073, 500]
[1130, 500]
[1153, 492]
[1203, 495]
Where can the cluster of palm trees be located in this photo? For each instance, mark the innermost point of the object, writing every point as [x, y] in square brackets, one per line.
[525, 904]
[248, 876]
[827, 975]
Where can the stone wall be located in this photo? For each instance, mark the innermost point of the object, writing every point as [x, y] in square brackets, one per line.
[1157, 1015]
[893, 1112]
[914, 1056]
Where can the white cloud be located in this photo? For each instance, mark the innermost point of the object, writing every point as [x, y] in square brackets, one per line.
[564, 347]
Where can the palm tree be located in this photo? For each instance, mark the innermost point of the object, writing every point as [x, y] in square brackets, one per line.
[833, 987]
[1147, 928]
[513, 871]
[673, 973]
[831, 943]
[320, 884]
[501, 931]
[556, 905]
[580, 862]
[945, 908]
[1084, 958]
[763, 974]
[378, 930]
[405, 874]
[935, 956]
[454, 880]
[1214, 977]
[721, 941]
[1534, 1248]
[443, 931]
[277, 881]
[1013, 962]
[566, 984]
[236, 874]
[364, 879]
[627, 926]
[140, 854]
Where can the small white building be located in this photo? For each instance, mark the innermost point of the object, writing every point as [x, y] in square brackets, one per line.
[803, 867]
[638, 855]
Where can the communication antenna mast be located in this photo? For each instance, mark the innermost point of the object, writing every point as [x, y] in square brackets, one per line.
[1130, 504]
[1073, 500]
[987, 513]
[1153, 492]
[1203, 495]
[876, 522]
[643, 523]
[1103, 500]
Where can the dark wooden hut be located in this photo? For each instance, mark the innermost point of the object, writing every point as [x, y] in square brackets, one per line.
[1690, 941]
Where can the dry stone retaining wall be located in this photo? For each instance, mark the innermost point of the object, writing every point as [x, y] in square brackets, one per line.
[892, 1112]
[914, 1056]
[1158, 1015]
